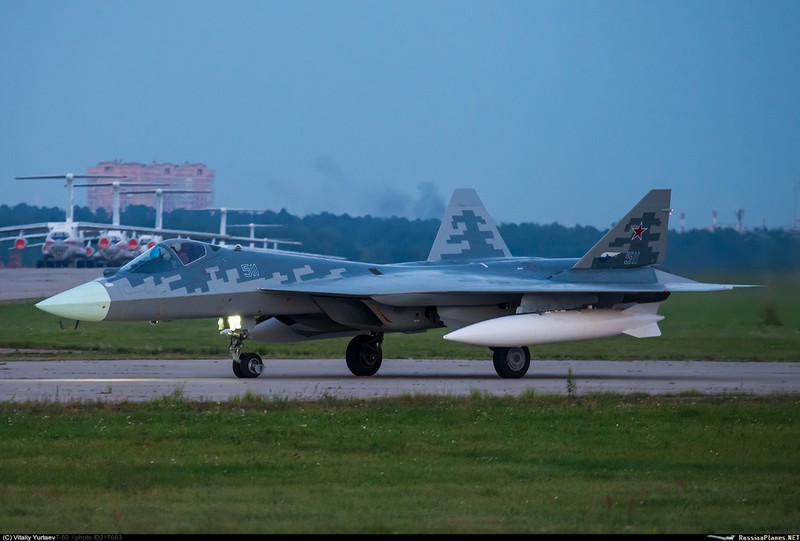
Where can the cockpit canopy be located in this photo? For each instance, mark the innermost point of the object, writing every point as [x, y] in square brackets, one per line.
[165, 256]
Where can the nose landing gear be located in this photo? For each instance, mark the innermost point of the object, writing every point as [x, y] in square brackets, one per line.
[247, 364]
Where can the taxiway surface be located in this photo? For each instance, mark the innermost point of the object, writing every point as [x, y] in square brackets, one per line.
[213, 379]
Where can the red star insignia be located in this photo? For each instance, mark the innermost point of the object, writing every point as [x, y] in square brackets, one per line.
[638, 232]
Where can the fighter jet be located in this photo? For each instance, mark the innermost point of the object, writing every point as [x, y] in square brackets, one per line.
[470, 283]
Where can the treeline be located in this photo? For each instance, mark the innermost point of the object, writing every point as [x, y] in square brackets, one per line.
[388, 240]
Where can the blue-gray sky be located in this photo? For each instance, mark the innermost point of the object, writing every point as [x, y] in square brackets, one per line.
[554, 111]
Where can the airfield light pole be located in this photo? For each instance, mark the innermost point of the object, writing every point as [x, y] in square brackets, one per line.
[739, 213]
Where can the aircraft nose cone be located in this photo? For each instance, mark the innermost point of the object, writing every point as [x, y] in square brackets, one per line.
[87, 302]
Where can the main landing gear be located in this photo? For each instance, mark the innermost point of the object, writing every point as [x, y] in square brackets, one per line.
[364, 355]
[511, 363]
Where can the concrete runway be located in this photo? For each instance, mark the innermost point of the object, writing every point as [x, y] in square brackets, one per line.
[213, 379]
[28, 283]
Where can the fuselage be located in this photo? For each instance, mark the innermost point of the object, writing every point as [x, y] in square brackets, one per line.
[184, 279]
[214, 281]
[63, 246]
[115, 248]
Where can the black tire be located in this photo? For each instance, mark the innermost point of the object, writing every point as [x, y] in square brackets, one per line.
[364, 355]
[237, 369]
[512, 363]
[250, 365]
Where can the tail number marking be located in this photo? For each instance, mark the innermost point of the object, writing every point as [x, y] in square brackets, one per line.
[249, 270]
[631, 258]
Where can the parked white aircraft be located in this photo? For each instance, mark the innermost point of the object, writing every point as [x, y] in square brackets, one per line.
[62, 243]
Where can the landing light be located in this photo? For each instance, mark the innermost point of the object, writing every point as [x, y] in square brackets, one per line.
[231, 323]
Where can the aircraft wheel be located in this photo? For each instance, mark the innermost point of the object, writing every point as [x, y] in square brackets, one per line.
[512, 363]
[250, 365]
[364, 355]
[237, 369]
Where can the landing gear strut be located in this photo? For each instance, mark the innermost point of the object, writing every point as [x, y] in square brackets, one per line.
[511, 363]
[364, 354]
[245, 365]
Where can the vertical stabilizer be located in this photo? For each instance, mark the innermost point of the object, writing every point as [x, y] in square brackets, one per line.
[467, 231]
[639, 239]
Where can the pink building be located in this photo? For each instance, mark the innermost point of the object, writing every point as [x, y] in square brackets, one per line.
[189, 176]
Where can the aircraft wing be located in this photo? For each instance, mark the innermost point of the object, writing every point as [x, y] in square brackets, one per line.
[16, 232]
[414, 286]
[25, 227]
[197, 235]
[27, 236]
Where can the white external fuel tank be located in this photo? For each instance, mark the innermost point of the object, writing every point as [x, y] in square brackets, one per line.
[639, 320]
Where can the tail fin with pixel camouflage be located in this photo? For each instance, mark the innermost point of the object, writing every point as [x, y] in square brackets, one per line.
[467, 231]
[639, 239]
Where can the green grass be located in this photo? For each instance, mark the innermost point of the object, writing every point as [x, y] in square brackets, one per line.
[597, 464]
[743, 324]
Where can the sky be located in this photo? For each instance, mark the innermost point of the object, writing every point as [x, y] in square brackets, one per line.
[554, 111]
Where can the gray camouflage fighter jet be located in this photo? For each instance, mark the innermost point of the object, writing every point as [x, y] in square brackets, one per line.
[470, 283]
